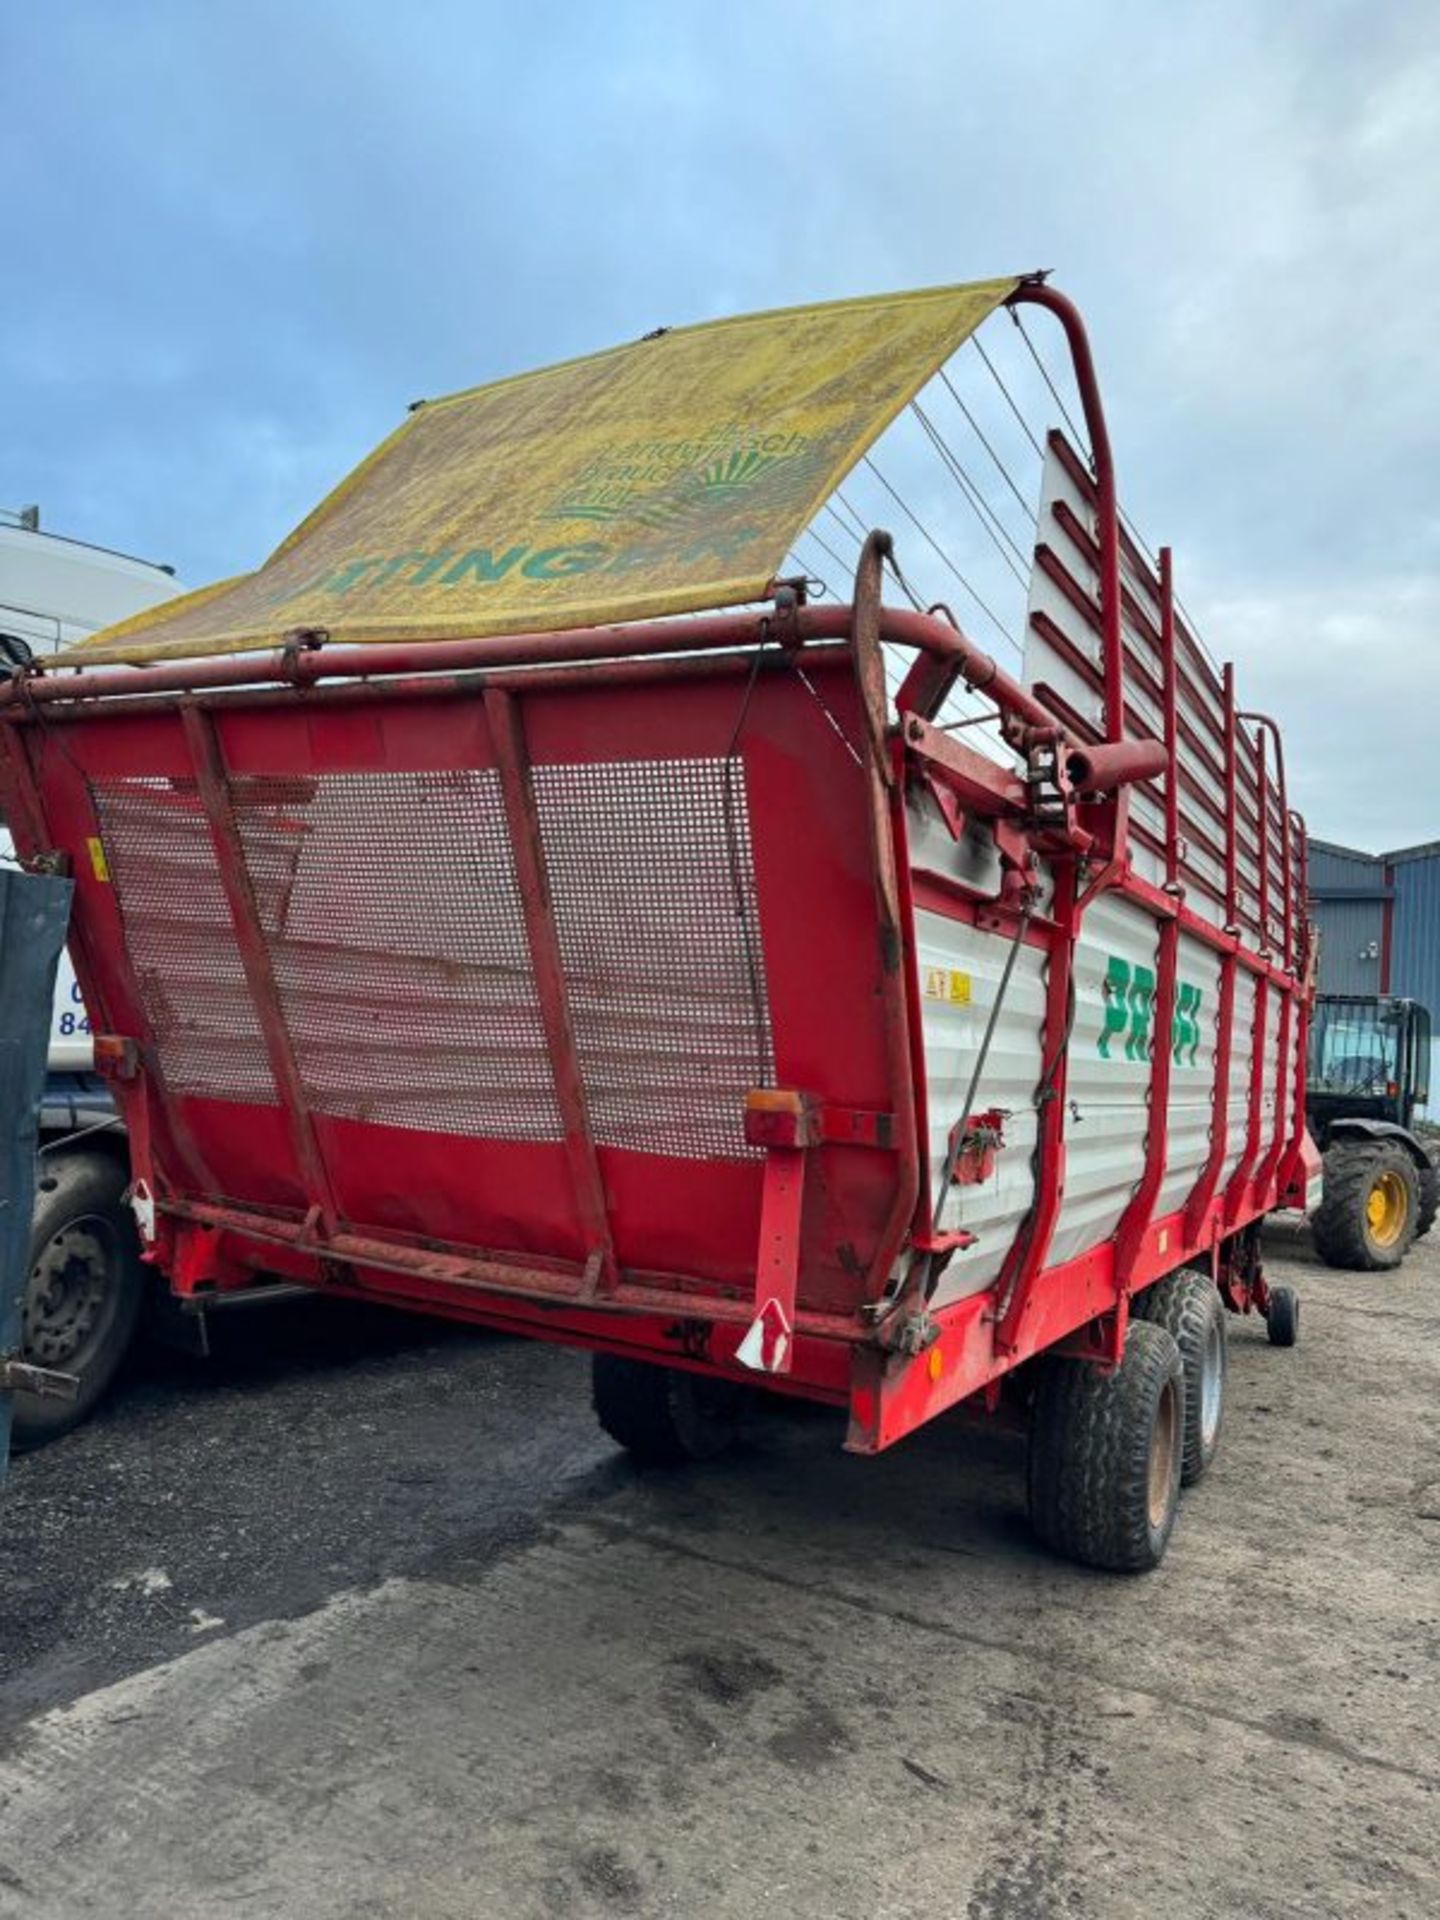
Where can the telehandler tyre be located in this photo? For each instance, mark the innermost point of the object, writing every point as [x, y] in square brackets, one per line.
[1429, 1200]
[1370, 1210]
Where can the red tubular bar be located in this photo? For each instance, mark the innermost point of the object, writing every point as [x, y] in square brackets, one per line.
[1136, 1221]
[1198, 1206]
[886, 829]
[708, 633]
[555, 1286]
[1239, 1180]
[507, 735]
[1265, 1172]
[1262, 788]
[440, 686]
[1036, 294]
[1027, 1257]
[1172, 718]
[1287, 826]
[1231, 878]
[199, 729]
[1291, 1170]
[1100, 769]
[1277, 1151]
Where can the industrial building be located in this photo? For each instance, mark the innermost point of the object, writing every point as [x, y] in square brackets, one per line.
[1378, 916]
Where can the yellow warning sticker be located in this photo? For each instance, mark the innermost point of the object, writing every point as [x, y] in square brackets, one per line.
[99, 864]
[947, 983]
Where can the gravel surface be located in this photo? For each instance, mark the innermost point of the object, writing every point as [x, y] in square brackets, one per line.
[321, 1447]
[364, 1617]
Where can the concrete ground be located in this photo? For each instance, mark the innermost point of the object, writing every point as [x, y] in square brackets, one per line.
[366, 1619]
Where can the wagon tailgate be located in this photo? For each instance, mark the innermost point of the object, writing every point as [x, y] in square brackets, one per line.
[512, 968]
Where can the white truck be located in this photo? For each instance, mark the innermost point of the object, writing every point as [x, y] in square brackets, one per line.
[86, 1286]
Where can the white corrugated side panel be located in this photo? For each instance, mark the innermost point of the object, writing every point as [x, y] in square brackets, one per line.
[1274, 1103]
[1106, 1090]
[1192, 1073]
[1046, 665]
[1285, 1096]
[1242, 1041]
[1294, 1064]
[955, 956]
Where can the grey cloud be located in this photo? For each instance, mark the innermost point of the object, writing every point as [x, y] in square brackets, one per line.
[244, 236]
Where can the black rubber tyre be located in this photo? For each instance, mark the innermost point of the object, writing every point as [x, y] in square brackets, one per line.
[86, 1283]
[1346, 1235]
[1282, 1317]
[1429, 1199]
[1189, 1307]
[662, 1416]
[1106, 1452]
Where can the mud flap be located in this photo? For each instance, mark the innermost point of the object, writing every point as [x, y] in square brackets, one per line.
[34, 912]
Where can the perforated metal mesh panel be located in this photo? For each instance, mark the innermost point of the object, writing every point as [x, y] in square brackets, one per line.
[180, 939]
[396, 934]
[391, 910]
[653, 882]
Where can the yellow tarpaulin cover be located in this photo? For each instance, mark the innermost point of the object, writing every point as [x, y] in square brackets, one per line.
[658, 477]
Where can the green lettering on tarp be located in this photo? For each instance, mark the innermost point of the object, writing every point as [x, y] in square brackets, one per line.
[482, 563]
[557, 563]
[433, 563]
[350, 575]
[396, 564]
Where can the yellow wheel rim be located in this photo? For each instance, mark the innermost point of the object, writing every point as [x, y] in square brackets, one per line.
[1387, 1209]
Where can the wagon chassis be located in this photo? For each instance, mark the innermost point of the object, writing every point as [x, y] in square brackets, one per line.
[896, 1360]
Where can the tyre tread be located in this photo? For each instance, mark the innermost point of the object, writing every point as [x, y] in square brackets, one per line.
[1338, 1223]
[76, 1183]
[1089, 1453]
[1429, 1199]
[652, 1410]
[1185, 1304]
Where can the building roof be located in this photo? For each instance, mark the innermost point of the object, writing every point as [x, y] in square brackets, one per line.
[1424, 849]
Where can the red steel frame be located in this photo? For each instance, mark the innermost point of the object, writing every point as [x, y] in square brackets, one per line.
[891, 1360]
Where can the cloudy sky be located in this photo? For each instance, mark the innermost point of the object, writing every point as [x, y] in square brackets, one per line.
[239, 238]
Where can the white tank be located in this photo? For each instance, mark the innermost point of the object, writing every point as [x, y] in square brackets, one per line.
[53, 592]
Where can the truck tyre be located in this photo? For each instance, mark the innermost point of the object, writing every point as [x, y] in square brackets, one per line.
[1370, 1208]
[1189, 1307]
[1106, 1452]
[1429, 1199]
[1282, 1317]
[82, 1298]
[663, 1416]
